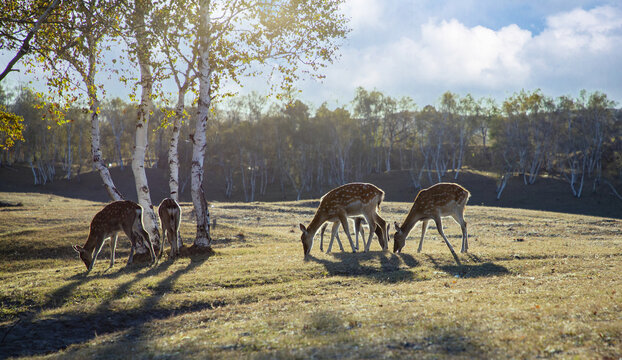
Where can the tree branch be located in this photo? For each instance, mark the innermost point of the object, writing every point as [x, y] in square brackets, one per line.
[23, 50]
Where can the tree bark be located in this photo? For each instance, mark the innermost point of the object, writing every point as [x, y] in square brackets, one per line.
[150, 221]
[173, 152]
[199, 141]
[96, 152]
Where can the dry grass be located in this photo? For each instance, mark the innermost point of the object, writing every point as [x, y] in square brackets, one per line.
[535, 284]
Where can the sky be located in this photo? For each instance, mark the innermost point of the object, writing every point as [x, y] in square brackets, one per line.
[488, 48]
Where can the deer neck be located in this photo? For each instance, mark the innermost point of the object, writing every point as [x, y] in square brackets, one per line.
[315, 224]
[91, 243]
[410, 221]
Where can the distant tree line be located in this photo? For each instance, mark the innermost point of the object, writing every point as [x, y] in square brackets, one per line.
[253, 145]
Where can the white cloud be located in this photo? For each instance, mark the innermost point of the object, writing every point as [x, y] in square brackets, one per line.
[363, 14]
[450, 52]
[576, 49]
[578, 31]
[579, 49]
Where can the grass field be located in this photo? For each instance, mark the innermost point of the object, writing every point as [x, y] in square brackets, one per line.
[534, 284]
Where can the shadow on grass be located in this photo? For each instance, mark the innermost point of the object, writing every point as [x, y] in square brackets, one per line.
[467, 270]
[23, 251]
[393, 268]
[439, 341]
[38, 335]
[444, 340]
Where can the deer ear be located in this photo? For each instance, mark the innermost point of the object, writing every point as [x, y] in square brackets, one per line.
[77, 248]
[303, 228]
[397, 227]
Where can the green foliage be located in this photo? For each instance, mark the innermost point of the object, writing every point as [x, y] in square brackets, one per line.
[68, 44]
[11, 128]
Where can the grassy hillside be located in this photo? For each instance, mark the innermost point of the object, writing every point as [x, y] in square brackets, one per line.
[535, 284]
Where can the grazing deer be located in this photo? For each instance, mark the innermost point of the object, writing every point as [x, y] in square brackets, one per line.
[443, 199]
[358, 229]
[170, 217]
[126, 216]
[340, 203]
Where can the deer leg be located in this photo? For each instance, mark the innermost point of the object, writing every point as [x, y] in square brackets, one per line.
[424, 227]
[172, 239]
[346, 228]
[465, 237]
[180, 241]
[99, 248]
[439, 227]
[164, 235]
[113, 248]
[322, 237]
[130, 259]
[372, 229]
[147, 242]
[335, 235]
[358, 228]
[381, 232]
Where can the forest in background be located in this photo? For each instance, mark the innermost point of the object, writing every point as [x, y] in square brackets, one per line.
[253, 144]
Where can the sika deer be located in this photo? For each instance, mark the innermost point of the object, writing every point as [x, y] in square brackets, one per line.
[126, 216]
[170, 216]
[443, 199]
[338, 204]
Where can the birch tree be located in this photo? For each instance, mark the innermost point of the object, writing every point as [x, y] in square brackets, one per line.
[176, 40]
[289, 36]
[70, 42]
[141, 48]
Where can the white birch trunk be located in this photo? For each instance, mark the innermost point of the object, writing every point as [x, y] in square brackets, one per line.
[573, 176]
[502, 184]
[199, 141]
[34, 173]
[150, 221]
[96, 152]
[580, 190]
[173, 153]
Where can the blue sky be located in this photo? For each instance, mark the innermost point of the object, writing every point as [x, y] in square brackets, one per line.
[487, 48]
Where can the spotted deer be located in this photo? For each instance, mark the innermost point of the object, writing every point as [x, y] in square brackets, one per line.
[340, 203]
[117, 216]
[433, 203]
[358, 229]
[170, 217]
